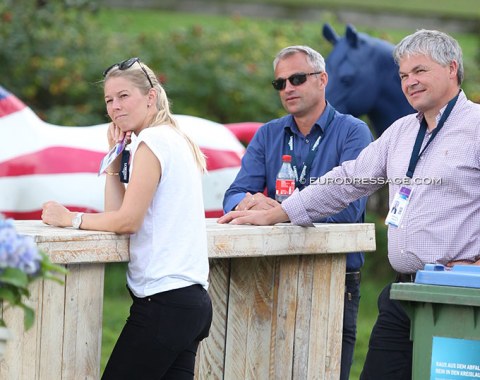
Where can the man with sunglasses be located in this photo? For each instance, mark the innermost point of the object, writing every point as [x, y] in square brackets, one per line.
[318, 138]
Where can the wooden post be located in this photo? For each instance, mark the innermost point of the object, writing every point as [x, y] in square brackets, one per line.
[277, 294]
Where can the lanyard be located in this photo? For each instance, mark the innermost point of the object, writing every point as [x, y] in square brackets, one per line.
[125, 167]
[421, 135]
[300, 182]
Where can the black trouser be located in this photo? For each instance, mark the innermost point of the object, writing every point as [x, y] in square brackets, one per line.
[349, 334]
[390, 349]
[161, 336]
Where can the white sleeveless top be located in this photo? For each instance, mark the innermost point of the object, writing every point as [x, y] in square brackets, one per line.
[170, 249]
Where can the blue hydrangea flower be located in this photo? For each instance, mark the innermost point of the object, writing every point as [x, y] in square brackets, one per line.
[21, 263]
[17, 251]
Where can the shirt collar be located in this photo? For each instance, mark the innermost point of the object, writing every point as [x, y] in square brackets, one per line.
[461, 95]
[320, 123]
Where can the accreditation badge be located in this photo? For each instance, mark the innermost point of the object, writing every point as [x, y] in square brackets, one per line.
[398, 207]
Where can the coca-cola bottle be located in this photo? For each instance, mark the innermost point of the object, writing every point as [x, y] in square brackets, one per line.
[285, 184]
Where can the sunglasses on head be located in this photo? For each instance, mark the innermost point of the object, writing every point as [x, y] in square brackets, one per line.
[295, 80]
[124, 65]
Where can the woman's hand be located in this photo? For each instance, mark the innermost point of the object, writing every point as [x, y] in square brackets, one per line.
[115, 135]
[56, 215]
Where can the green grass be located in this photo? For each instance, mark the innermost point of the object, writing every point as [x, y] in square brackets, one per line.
[462, 9]
[116, 306]
[143, 22]
[115, 313]
[367, 314]
[467, 9]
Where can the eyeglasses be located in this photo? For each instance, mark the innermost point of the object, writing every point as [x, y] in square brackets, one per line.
[124, 65]
[295, 80]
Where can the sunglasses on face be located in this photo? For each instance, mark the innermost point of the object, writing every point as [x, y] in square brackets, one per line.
[295, 80]
[124, 65]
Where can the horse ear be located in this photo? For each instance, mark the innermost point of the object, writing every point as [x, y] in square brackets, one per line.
[330, 34]
[352, 36]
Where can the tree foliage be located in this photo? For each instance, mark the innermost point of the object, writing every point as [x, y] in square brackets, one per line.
[53, 55]
[48, 58]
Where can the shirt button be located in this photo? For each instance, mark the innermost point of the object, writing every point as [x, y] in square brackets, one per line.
[307, 141]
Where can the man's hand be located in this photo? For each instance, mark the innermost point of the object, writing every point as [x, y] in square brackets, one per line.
[256, 201]
[257, 217]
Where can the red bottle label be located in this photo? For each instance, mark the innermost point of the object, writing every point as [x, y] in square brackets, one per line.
[284, 186]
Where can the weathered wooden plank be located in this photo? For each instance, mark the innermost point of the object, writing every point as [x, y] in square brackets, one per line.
[237, 322]
[321, 286]
[285, 239]
[303, 317]
[335, 318]
[24, 346]
[284, 316]
[71, 315]
[83, 322]
[90, 321]
[249, 319]
[10, 365]
[14, 353]
[327, 317]
[211, 355]
[259, 316]
[66, 245]
[52, 330]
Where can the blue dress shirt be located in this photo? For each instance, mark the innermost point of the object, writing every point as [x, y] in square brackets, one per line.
[342, 140]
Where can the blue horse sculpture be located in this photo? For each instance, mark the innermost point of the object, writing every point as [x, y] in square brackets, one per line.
[363, 78]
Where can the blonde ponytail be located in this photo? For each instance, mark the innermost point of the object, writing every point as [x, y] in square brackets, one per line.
[164, 117]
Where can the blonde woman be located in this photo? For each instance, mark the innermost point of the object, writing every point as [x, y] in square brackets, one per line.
[161, 208]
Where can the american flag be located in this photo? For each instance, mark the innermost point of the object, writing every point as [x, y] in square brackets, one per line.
[41, 161]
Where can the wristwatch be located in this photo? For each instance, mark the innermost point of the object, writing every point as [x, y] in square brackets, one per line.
[77, 220]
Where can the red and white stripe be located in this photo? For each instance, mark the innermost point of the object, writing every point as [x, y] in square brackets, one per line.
[41, 161]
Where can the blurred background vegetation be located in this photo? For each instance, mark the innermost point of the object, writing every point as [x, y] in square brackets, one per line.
[214, 66]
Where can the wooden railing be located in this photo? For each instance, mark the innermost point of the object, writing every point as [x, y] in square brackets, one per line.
[277, 294]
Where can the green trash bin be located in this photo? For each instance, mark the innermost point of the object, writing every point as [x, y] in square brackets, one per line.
[444, 307]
